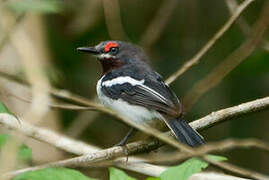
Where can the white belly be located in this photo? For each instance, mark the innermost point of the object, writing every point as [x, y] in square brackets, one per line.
[136, 113]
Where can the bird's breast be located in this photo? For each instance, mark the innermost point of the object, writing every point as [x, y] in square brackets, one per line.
[135, 113]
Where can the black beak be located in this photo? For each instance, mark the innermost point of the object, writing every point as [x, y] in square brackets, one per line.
[92, 50]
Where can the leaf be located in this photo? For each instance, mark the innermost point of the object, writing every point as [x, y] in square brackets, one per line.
[41, 6]
[116, 174]
[25, 153]
[216, 158]
[3, 139]
[184, 170]
[154, 178]
[53, 174]
[4, 109]
[188, 168]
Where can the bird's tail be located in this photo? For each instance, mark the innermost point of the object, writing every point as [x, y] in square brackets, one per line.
[185, 133]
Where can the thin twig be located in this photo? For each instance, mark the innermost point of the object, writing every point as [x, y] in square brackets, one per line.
[81, 123]
[54, 105]
[206, 121]
[221, 146]
[148, 130]
[155, 133]
[214, 176]
[31, 62]
[9, 25]
[157, 25]
[113, 20]
[231, 62]
[60, 93]
[72, 146]
[244, 26]
[9, 30]
[231, 112]
[195, 60]
[77, 147]
[235, 170]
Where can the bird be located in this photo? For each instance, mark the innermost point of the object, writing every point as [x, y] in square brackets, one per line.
[130, 87]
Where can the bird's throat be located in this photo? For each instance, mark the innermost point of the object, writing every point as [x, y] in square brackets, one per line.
[109, 65]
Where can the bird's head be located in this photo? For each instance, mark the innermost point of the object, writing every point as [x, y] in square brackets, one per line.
[114, 54]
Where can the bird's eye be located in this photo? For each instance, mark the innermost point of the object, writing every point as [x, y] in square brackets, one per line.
[114, 50]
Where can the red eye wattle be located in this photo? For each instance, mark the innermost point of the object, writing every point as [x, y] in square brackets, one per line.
[110, 45]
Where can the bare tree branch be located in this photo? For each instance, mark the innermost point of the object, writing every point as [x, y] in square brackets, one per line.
[231, 62]
[157, 25]
[213, 176]
[200, 124]
[195, 60]
[239, 171]
[86, 161]
[245, 28]
[170, 141]
[31, 62]
[231, 112]
[79, 148]
[111, 153]
[221, 146]
[148, 130]
[54, 105]
[9, 30]
[113, 19]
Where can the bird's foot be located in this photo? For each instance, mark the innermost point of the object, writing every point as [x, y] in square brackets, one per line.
[124, 147]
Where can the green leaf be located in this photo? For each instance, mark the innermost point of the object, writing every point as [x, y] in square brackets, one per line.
[216, 158]
[184, 170]
[40, 6]
[4, 109]
[3, 139]
[53, 174]
[154, 178]
[188, 168]
[116, 174]
[25, 153]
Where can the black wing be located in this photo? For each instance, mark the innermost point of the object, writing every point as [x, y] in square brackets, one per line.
[154, 95]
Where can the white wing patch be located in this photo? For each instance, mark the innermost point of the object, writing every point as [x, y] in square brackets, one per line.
[122, 80]
[133, 82]
[138, 114]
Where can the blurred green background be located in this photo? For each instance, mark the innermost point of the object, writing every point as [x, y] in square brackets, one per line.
[71, 24]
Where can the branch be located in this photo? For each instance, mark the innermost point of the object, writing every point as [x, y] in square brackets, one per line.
[148, 130]
[54, 105]
[213, 176]
[32, 65]
[113, 20]
[9, 30]
[145, 146]
[195, 60]
[231, 112]
[244, 26]
[79, 148]
[238, 170]
[157, 25]
[222, 146]
[231, 62]
[86, 161]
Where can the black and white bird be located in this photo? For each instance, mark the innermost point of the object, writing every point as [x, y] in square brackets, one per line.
[130, 87]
